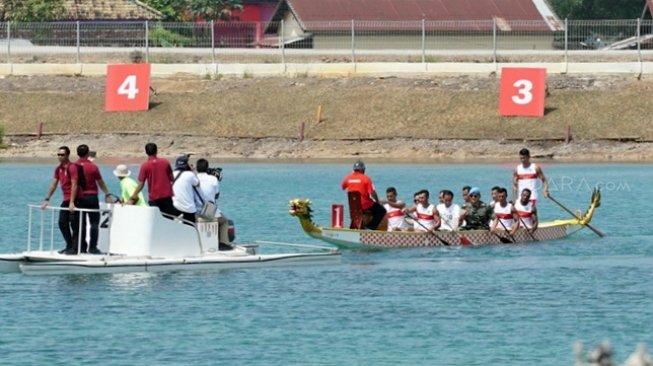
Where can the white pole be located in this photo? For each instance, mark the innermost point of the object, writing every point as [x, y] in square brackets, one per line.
[639, 46]
[8, 42]
[494, 40]
[353, 44]
[423, 41]
[78, 41]
[41, 230]
[282, 46]
[213, 41]
[51, 230]
[566, 44]
[29, 229]
[147, 42]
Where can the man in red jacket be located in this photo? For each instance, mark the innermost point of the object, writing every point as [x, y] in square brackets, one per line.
[357, 181]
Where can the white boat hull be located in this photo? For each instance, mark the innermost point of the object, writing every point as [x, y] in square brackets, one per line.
[10, 263]
[108, 264]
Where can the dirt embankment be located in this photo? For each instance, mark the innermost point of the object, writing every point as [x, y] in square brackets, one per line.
[386, 118]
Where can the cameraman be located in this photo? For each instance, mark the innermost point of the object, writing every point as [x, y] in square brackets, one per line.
[210, 188]
[184, 185]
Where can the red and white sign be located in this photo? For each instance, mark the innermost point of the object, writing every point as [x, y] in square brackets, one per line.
[127, 88]
[337, 215]
[522, 92]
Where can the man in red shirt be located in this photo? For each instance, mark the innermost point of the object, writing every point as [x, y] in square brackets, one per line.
[158, 174]
[357, 181]
[68, 221]
[85, 196]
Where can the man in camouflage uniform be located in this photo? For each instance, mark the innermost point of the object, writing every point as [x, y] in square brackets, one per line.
[475, 214]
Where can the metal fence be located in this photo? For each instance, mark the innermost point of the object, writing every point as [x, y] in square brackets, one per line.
[333, 41]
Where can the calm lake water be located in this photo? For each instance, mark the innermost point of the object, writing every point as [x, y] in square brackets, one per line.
[495, 305]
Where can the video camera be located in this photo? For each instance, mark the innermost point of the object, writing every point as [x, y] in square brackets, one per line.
[216, 172]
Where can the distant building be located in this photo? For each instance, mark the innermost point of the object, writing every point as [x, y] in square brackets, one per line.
[329, 23]
[109, 10]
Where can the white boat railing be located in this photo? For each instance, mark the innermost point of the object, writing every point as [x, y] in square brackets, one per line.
[54, 220]
[104, 232]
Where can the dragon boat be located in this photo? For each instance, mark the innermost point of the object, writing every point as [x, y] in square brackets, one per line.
[345, 238]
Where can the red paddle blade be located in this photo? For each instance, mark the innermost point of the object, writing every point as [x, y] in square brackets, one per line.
[465, 241]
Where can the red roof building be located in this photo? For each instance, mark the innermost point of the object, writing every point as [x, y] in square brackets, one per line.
[305, 19]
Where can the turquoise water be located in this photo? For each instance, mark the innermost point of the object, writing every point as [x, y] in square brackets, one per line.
[503, 304]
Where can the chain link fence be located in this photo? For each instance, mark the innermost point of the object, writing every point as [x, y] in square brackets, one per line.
[348, 41]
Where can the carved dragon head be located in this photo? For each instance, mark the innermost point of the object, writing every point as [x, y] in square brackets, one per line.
[301, 208]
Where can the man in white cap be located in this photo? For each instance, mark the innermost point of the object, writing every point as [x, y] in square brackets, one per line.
[128, 185]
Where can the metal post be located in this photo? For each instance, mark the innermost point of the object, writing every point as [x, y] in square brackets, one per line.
[41, 230]
[29, 229]
[494, 40]
[213, 41]
[566, 42]
[282, 46]
[639, 40]
[51, 230]
[353, 44]
[8, 42]
[78, 41]
[423, 41]
[147, 41]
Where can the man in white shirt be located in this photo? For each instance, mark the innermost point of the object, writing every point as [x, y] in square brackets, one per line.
[185, 189]
[449, 212]
[210, 188]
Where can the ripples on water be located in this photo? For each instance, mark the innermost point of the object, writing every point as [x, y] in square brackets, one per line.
[504, 304]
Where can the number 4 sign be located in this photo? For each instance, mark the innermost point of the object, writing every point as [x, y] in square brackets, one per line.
[127, 88]
[522, 92]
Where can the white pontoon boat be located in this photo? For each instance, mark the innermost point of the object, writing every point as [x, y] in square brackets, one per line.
[138, 239]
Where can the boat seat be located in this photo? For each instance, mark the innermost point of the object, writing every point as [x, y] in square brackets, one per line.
[359, 217]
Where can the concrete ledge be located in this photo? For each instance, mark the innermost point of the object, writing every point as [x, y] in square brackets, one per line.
[332, 69]
[46, 69]
[5, 69]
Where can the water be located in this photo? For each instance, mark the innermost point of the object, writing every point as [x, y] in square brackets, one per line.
[503, 304]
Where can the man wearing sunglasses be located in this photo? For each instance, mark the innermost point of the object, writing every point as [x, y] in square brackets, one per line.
[68, 221]
[476, 214]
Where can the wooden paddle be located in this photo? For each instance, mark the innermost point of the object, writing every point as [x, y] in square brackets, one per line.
[595, 230]
[430, 231]
[527, 230]
[463, 240]
[503, 239]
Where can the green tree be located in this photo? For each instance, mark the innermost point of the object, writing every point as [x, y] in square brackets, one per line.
[598, 9]
[167, 7]
[31, 10]
[214, 9]
[188, 9]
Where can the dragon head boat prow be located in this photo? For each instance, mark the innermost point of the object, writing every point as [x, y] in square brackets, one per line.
[301, 208]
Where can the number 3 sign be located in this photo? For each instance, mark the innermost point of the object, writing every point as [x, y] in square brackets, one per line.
[522, 92]
[127, 88]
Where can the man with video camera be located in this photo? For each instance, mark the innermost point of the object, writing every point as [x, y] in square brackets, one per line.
[210, 187]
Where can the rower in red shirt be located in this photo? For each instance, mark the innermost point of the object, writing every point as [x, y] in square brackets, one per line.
[357, 181]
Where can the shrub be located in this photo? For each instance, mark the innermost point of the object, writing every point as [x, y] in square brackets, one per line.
[160, 37]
